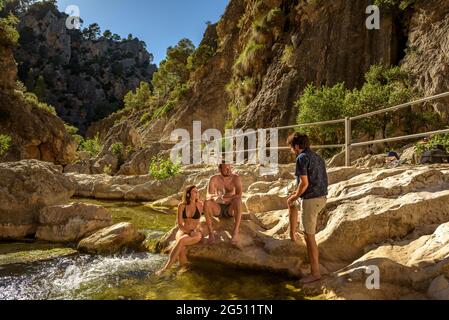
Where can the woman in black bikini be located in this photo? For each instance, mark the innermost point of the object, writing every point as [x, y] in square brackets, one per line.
[190, 211]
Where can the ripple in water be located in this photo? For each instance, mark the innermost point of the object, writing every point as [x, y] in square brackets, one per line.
[76, 277]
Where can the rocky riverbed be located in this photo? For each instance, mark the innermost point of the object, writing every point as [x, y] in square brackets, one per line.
[393, 219]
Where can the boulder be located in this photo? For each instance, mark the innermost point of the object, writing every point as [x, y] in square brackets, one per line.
[106, 162]
[411, 263]
[112, 239]
[169, 202]
[410, 156]
[139, 162]
[265, 202]
[138, 188]
[256, 249]
[27, 187]
[72, 222]
[395, 205]
[260, 187]
[439, 289]
[339, 174]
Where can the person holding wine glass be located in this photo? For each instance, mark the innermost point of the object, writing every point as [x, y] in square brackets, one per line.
[224, 199]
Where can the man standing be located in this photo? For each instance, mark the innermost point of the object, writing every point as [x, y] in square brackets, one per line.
[312, 185]
[224, 199]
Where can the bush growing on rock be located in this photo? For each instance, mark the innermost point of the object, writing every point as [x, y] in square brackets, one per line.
[437, 140]
[139, 99]
[162, 169]
[32, 99]
[93, 146]
[401, 4]
[73, 131]
[117, 149]
[5, 143]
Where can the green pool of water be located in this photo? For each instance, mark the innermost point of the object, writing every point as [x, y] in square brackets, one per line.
[45, 271]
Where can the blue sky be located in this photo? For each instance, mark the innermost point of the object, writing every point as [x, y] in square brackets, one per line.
[160, 23]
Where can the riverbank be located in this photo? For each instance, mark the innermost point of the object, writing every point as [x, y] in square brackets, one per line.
[36, 270]
[392, 219]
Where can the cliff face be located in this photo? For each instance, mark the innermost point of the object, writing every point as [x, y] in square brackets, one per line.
[85, 80]
[36, 133]
[427, 56]
[269, 51]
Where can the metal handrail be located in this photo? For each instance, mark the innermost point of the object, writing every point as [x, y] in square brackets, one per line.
[348, 129]
[401, 106]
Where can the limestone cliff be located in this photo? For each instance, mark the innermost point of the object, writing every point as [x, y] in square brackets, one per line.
[35, 132]
[84, 79]
[269, 51]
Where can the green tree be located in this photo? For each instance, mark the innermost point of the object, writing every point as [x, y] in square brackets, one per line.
[116, 37]
[92, 32]
[322, 104]
[200, 57]
[173, 70]
[107, 34]
[139, 99]
[384, 87]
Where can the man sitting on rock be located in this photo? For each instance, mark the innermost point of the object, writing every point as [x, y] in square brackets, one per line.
[312, 185]
[224, 199]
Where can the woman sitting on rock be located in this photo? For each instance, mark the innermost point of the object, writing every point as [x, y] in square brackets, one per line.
[190, 211]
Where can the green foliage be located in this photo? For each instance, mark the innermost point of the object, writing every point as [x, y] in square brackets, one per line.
[32, 99]
[439, 139]
[322, 104]
[8, 33]
[129, 150]
[166, 108]
[73, 131]
[200, 57]
[5, 143]
[401, 4]
[288, 56]
[93, 146]
[92, 32]
[107, 169]
[117, 149]
[162, 169]
[40, 87]
[116, 37]
[248, 55]
[384, 87]
[107, 34]
[145, 118]
[173, 71]
[140, 99]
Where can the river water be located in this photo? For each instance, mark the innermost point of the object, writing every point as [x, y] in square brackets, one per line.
[60, 273]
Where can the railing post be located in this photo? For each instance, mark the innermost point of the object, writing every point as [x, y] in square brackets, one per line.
[348, 137]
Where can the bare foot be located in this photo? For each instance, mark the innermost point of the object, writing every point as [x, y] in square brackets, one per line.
[159, 272]
[184, 269]
[294, 237]
[310, 279]
[235, 240]
[211, 238]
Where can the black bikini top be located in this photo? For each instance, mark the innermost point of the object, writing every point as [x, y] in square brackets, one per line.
[196, 216]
